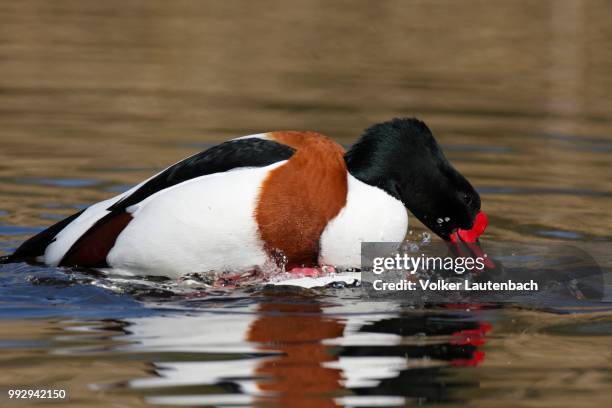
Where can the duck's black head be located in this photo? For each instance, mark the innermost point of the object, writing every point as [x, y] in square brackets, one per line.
[403, 158]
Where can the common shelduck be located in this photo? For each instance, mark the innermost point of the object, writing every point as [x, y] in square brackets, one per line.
[294, 198]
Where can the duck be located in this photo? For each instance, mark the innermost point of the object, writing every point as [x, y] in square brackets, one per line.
[294, 199]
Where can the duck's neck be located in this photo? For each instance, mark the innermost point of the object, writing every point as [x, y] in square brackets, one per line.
[372, 167]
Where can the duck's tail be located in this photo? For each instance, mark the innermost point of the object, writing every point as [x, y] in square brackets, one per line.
[5, 259]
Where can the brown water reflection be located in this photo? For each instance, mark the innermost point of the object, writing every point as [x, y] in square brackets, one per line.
[96, 96]
[300, 372]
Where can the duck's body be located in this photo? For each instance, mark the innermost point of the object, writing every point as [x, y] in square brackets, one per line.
[294, 203]
[282, 198]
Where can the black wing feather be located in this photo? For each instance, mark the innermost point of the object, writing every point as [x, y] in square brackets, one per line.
[251, 152]
[36, 245]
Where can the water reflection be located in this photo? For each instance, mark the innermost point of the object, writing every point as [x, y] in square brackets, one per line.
[304, 354]
[302, 371]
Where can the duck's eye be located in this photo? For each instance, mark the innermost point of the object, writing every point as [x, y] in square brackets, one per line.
[467, 198]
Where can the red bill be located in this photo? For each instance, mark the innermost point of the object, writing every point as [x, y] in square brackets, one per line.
[469, 239]
[471, 235]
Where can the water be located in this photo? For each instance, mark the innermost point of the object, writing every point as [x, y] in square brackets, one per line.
[94, 97]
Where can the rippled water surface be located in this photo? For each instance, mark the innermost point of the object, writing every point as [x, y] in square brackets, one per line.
[96, 96]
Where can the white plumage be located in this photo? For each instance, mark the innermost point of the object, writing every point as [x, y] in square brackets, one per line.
[370, 215]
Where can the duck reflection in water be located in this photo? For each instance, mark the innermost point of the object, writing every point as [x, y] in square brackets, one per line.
[304, 352]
